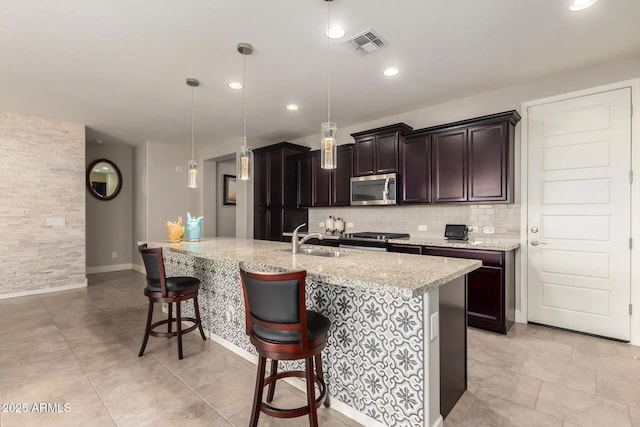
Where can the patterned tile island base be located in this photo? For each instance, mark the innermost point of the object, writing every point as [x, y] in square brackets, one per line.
[379, 360]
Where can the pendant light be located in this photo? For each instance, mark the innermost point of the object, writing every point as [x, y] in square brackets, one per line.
[244, 158]
[192, 171]
[328, 146]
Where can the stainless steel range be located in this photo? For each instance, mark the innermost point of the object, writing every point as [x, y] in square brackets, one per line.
[369, 240]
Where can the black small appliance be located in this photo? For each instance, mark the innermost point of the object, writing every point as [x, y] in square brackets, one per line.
[456, 232]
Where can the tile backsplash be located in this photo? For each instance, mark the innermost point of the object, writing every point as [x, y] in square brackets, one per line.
[503, 218]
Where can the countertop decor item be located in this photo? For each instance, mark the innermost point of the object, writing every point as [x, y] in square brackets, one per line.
[175, 230]
[192, 173]
[194, 228]
[244, 158]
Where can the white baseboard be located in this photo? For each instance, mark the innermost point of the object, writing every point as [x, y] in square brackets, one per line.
[519, 317]
[109, 268]
[139, 268]
[44, 291]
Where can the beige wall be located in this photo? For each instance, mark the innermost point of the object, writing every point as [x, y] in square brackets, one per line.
[42, 170]
[110, 222]
[225, 214]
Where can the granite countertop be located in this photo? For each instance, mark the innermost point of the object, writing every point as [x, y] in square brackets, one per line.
[493, 244]
[404, 275]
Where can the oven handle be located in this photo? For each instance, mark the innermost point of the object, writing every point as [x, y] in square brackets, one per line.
[363, 248]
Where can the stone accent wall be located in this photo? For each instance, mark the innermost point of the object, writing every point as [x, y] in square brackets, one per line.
[41, 176]
[504, 218]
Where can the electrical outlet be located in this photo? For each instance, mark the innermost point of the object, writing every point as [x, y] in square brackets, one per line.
[422, 228]
[55, 222]
[435, 325]
[114, 255]
[321, 225]
[488, 230]
[349, 225]
[473, 229]
[179, 169]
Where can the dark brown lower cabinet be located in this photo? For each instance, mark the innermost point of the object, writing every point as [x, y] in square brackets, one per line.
[490, 289]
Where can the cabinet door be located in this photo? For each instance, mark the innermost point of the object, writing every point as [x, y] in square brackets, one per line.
[276, 218]
[416, 170]
[488, 175]
[386, 153]
[485, 296]
[341, 183]
[449, 165]
[261, 181]
[321, 183]
[276, 178]
[261, 224]
[305, 181]
[364, 156]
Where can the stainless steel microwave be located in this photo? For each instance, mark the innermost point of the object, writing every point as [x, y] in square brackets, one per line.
[374, 190]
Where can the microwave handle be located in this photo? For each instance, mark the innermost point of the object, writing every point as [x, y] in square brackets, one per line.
[385, 192]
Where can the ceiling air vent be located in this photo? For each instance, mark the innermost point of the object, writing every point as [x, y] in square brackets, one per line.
[366, 42]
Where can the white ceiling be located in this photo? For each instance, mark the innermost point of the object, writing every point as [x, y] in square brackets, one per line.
[119, 66]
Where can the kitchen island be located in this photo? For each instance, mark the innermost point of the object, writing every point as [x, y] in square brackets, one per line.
[382, 364]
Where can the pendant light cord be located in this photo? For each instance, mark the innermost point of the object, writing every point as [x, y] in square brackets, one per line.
[192, 125]
[244, 99]
[328, 62]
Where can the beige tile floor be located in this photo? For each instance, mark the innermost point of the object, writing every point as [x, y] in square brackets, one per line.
[80, 347]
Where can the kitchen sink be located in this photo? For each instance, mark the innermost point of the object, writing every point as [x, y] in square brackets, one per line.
[320, 252]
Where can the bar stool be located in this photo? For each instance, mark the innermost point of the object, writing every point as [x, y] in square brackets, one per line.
[281, 328]
[170, 290]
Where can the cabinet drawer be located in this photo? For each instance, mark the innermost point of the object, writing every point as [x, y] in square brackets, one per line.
[405, 249]
[488, 258]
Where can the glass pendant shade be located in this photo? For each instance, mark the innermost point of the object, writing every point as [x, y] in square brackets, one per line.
[192, 174]
[329, 147]
[244, 161]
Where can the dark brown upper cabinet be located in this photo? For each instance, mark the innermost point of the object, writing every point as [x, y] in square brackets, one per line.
[415, 165]
[377, 151]
[319, 187]
[275, 199]
[469, 161]
[449, 166]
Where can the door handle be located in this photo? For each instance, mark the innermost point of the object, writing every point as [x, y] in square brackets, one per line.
[536, 243]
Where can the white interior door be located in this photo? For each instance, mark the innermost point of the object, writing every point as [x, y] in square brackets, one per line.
[579, 213]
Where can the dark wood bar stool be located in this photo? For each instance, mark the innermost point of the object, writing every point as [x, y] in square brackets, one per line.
[281, 328]
[170, 290]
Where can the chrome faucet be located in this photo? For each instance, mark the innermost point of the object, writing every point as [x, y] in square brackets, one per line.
[294, 239]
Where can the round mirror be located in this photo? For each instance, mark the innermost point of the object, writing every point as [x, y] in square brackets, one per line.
[104, 180]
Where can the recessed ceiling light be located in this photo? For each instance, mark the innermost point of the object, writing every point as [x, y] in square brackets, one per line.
[335, 32]
[391, 71]
[292, 107]
[235, 85]
[577, 5]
